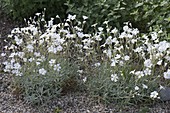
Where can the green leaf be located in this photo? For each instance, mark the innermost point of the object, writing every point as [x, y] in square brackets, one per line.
[167, 19]
[138, 5]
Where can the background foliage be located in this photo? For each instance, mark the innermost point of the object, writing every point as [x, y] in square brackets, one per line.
[20, 9]
[141, 13]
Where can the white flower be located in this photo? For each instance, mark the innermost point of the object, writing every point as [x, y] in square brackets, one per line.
[98, 38]
[113, 62]
[43, 58]
[66, 24]
[18, 41]
[167, 74]
[37, 14]
[37, 63]
[122, 35]
[34, 30]
[16, 72]
[118, 56]
[159, 62]
[94, 25]
[71, 36]
[30, 59]
[21, 54]
[12, 60]
[50, 23]
[138, 49]
[135, 31]
[148, 63]
[109, 40]
[132, 72]
[25, 59]
[84, 79]
[97, 64]
[129, 36]
[161, 87]
[136, 88]
[121, 63]
[78, 28]
[51, 62]
[139, 74]
[108, 52]
[87, 35]
[71, 17]
[87, 43]
[42, 71]
[30, 48]
[41, 41]
[59, 41]
[52, 49]
[115, 40]
[59, 48]
[3, 54]
[163, 46]
[85, 17]
[80, 71]
[8, 66]
[147, 71]
[86, 47]
[125, 28]
[15, 30]
[100, 29]
[57, 16]
[133, 41]
[17, 66]
[154, 35]
[114, 31]
[105, 22]
[114, 77]
[57, 67]
[145, 86]
[80, 34]
[37, 54]
[154, 94]
[12, 55]
[126, 58]
[167, 58]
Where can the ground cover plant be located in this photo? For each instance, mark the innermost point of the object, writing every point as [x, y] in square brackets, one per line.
[47, 60]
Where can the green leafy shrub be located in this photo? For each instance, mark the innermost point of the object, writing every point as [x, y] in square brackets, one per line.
[2, 4]
[142, 14]
[127, 67]
[151, 13]
[20, 9]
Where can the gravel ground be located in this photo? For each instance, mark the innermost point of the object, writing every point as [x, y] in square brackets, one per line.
[70, 103]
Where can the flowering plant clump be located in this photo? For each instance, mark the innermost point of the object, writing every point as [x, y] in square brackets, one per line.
[125, 66]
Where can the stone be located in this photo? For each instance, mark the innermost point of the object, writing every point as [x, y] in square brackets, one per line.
[165, 94]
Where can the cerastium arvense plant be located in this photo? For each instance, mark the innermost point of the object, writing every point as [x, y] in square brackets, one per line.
[126, 67]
